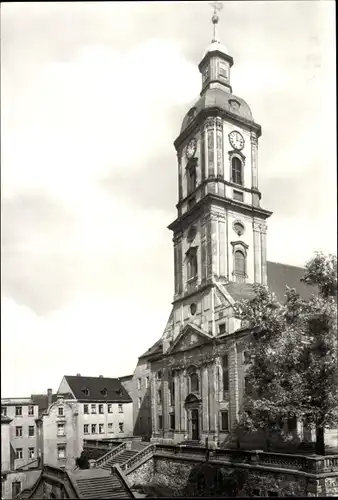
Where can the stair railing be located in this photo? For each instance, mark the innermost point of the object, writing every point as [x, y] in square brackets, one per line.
[148, 450]
[111, 453]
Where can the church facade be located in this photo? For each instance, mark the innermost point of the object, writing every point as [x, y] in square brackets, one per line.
[190, 385]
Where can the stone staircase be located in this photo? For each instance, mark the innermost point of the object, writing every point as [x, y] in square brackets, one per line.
[120, 458]
[101, 487]
[197, 444]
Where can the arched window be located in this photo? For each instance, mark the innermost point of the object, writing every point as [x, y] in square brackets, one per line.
[236, 171]
[239, 263]
[192, 262]
[194, 383]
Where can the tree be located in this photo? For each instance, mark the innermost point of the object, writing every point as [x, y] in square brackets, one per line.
[82, 461]
[293, 369]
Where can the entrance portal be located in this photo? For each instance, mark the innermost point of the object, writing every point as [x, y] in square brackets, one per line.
[195, 434]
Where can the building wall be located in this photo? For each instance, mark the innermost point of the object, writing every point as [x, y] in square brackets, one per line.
[139, 390]
[24, 442]
[26, 479]
[69, 439]
[6, 462]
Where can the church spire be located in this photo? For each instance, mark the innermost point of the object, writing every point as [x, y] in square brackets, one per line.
[217, 6]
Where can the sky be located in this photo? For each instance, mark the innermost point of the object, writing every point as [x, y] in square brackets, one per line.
[92, 98]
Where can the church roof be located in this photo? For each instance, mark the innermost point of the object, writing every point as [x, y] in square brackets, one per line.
[115, 392]
[282, 275]
[218, 98]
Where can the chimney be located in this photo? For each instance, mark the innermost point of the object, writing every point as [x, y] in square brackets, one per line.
[78, 374]
[100, 376]
[49, 396]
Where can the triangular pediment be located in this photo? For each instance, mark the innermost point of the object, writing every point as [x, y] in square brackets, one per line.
[189, 337]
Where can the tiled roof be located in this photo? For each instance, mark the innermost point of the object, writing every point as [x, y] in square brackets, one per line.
[101, 484]
[42, 401]
[240, 291]
[5, 419]
[154, 349]
[282, 275]
[115, 392]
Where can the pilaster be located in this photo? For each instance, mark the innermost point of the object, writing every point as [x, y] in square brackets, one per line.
[178, 399]
[257, 254]
[205, 399]
[233, 384]
[263, 229]
[154, 404]
[254, 168]
[184, 394]
[165, 402]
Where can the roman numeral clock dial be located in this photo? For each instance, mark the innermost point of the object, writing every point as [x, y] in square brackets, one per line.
[236, 140]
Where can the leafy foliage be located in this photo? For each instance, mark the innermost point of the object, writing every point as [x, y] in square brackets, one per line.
[82, 461]
[293, 368]
[207, 480]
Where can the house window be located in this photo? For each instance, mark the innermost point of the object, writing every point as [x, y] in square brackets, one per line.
[61, 430]
[101, 428]
[292, 423]
[121, 426]
[172, 393]
[120, 408]
[101, 409]
[93, 409]
[110, 427]
[110, 408]
[18, 454]
[93, 428]
[237, 171]
[18, 432]
[31, 430]
[138, 384]
[192, 262]
[4, 411]
[31, 410]
[30, 452]
[239, 263]
[224, 421]
[86, 409]
[160, 422]
[62, 451]
[18, 411]
[159, 375]
[159, 397]
[147, 382]
[225, 373]
[16, 488]
[60, 411]
[238, 195]
[104, 392]
[172, 421]
[139, 402]
[86, 429]
[194, 382]
[191, 178]
[221, 328]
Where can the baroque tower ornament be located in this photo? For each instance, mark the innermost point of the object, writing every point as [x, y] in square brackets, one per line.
[217, 6]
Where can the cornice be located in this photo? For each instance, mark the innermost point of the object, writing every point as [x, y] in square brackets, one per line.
[222, 113]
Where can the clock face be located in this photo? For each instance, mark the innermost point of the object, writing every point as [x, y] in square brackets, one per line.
[191, 148]
[236, 140]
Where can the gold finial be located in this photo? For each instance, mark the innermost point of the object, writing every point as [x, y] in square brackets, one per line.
[217, 6]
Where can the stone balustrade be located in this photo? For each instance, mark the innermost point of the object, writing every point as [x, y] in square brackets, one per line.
[111, 453]
[146, 452]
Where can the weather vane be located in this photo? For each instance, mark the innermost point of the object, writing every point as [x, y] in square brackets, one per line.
[217, 6]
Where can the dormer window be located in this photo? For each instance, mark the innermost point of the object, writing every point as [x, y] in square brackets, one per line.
[119, 392]
[192, 262]
[104, 392]
[86, 391]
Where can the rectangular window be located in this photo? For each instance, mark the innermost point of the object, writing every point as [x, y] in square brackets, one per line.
[60, 411]
[61, 430]
[61, 451]
[110, 427]
[225, 373]
[292, 423]
[93, 409]
[191, 179]
[18, 453]
[86, 429]
[101, 428]
[18, 411]
[93, 428]
[16, 488]
[120, 408]
[110, 408]
[223, 70]
[221, 328]
[138, 384]
[159, 397]
[86, 409]
[160, 422]
[147, 382]
[159, 375]
[18, 432]
[139, 402]
[172, 421]
[121, 427]
[238, 195]
[101, 409]
[30, 452]
[225, 421]
[4, 411]
[31, 410]
[31, 431]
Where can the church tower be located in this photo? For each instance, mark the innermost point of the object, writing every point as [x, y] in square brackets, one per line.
[219, 234]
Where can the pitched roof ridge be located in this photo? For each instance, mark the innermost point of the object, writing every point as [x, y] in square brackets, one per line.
[284, 264]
